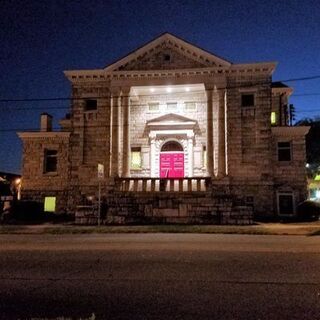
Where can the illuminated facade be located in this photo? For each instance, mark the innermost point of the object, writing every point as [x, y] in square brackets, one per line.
[177, 129]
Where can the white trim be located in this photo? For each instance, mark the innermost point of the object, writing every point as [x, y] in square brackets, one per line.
[286, 193]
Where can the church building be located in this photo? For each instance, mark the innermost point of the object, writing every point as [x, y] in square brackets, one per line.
[180, 135]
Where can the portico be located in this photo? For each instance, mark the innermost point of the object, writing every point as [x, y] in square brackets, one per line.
[146, 117]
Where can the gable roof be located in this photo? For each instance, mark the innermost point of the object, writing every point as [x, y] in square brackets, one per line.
[183, 47]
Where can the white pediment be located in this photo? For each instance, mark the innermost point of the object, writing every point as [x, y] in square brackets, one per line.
[171, 120]
[167, 52]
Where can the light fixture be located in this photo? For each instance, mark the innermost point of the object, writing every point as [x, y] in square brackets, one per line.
[187, 89]
[151, 89]
[169, 89]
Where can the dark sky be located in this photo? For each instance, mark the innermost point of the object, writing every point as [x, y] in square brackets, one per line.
[40, 39]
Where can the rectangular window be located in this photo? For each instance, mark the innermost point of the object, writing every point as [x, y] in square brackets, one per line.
[190, 106]
[50, 160]
[50, 204]
[90, 105]
[154, 106]
[247, 100]
[136, 161]
[171, 106]
[285, 204]
[284, 151]
[273, 118]
[204, 156]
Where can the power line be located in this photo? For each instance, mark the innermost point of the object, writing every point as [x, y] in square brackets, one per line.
[155, 94]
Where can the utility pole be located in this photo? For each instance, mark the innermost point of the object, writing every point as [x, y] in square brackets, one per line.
[100, 177]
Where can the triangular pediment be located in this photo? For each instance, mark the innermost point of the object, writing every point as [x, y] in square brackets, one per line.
[165, 53]
[170, 118]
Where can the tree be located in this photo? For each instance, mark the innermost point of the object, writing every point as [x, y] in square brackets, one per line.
[312, 143]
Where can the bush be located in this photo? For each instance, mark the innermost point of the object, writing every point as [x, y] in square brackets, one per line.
[27, 211]
[308, 210]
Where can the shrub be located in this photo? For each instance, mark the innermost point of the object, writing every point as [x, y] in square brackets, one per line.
[308, 210]
[27, 211]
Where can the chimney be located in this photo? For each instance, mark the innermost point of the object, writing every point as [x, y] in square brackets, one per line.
[45, 122]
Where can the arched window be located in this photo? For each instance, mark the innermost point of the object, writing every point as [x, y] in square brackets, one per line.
[172, 146]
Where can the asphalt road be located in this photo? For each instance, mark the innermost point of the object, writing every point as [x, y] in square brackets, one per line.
[159, 276]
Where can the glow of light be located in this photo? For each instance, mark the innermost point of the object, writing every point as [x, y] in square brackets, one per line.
[151, 89]
[169, 89]
[18, 181]
[187, 89]
[318, 194]
[307, 165]
[273, 118]
[50, 204]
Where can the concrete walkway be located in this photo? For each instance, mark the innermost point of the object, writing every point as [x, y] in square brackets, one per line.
[307, 228]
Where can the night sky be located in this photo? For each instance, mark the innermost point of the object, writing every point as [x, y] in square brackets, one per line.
[40, 39]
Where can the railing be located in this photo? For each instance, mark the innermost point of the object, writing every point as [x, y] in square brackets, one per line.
[163, 185]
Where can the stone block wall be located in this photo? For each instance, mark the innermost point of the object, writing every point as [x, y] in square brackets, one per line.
[249, 128]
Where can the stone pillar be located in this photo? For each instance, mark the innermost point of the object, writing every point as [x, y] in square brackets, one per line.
[221, 135]
[125, 105]
[115, 132]
[152, 137]
[210, 159]
[190, 154]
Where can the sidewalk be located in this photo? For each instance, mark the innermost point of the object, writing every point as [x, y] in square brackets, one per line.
[306, 228]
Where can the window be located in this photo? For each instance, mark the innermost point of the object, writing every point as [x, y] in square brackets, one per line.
[247, 100]
[50, 204]
[136, 161]
[273, 118]
[154, 106]
[166, 57]
[50, 160]
[90, 105]
[285, 203]
[250, 201]
[172, 106]
[284, 151]
[190, 106]
[204, 156]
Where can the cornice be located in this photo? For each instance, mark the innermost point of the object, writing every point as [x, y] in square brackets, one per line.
[44, 135]
[290, 131]
[96, 75]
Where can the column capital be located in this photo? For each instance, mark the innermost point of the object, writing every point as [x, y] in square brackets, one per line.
[115, 91]
[125, 91]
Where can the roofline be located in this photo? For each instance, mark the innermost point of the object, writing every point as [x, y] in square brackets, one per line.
[223, 61]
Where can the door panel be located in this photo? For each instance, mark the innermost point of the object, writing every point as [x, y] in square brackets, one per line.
[172, 165]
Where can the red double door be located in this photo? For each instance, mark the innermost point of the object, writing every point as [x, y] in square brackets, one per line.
[171, 165]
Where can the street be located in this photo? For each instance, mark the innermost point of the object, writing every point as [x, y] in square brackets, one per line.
[159, 276]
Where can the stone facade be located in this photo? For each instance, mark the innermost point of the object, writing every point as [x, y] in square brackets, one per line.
[228, 121]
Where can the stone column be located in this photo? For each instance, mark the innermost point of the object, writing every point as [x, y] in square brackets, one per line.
[210, 159]
[221, 134]
[190, 154]
[115, 132]
[152, 137]
[125, 105]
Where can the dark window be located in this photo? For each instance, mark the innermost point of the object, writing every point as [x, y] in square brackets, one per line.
[172, 146]
[90, 105]
[284, 151]
[247, 100]
[286, 204]
[50, 160]
[249, 201]
[167, 57]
